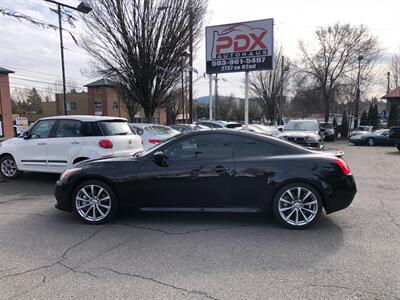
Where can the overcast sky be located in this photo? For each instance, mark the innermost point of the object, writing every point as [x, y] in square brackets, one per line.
[33, 53]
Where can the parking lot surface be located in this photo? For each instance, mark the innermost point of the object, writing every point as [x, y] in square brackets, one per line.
[351, 254]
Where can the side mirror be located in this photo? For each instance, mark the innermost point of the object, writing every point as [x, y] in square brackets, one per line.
[26, 135]
[158, 156]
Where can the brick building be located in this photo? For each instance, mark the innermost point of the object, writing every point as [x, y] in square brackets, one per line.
[393, 97]
[6, 122]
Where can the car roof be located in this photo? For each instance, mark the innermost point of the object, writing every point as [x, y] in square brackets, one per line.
[219, 122]
[145, 125]
[84, 118]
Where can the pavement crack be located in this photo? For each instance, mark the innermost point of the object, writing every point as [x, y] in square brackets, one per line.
[43, 267]
[77, 271]
[355, 289]
[183, 232]
[193, 292]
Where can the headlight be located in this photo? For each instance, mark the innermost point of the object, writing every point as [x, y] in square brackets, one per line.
[311, 139]
[69, 172]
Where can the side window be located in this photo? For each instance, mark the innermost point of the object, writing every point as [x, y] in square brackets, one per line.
[92, 129]
[207, 146]
[69, 128]
[249, 147]
[42, 129]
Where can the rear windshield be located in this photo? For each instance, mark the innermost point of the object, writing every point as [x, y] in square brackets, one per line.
[115, 128]
[233, 125]
[326, 125]
[161, 130]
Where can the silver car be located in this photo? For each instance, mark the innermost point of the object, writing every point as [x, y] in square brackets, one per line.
[153, 134]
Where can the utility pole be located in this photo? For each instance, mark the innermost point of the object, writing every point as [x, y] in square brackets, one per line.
[183, 93]
[388, 82]
[216, 97]
[357, 106]
[191, 61]
[83, 8]
[280, 118]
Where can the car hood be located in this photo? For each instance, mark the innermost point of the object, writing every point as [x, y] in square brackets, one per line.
[106, 160]
[10, 141]
[300, 134]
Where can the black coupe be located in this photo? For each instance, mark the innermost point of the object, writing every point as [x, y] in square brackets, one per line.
[212, 169]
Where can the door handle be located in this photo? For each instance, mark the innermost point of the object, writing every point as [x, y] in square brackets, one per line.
[75, 143]
[41, 144]
[219, 169]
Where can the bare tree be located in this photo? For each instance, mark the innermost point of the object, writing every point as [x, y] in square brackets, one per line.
[140, 43]
[395, 70]
[131, 106]
[335, 58]
[265, 87]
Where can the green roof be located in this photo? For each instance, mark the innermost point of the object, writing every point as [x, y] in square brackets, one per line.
[101, 82]
[5, 71]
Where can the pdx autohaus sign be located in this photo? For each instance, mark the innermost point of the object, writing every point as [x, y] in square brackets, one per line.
[240, 47]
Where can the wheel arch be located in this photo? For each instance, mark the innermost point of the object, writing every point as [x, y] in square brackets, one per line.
[79, 159]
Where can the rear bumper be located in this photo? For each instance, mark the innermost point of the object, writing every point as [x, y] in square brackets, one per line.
[340, 194]
[62, 196]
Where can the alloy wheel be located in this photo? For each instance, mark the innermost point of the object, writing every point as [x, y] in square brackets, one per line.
[9, 168]
[371, 142]
[93, 203]
[298, 206]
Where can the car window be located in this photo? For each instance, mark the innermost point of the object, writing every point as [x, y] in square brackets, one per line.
[110, 128]
[91, 129]
[233, 125]
[207, 146]
[249, 147]
[301, 126]
[161, 130]
[42, 129]
[69, 128]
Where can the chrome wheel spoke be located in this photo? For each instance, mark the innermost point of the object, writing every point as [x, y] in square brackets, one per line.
[89, 205]
[298, 212]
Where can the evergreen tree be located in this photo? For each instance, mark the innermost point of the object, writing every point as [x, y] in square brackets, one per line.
[375, 117]
[34, 102]
[370, 114]
[364, 118]
[393, 115]
[344, 127]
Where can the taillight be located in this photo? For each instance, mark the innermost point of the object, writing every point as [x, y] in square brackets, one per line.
[106, 144]
[343, 165]
[155, 142]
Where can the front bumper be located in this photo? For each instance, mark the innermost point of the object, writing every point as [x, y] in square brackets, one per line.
[62, 194]
[340, 194]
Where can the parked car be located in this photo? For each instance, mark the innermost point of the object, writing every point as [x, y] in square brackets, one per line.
[303, 132]
[54, 144]
[394, 133]
[327, 130]
[263, 129]
[188, 127]
[378, 137]
[362, 130]
[153, 134]
[212, 169]
[220, 124]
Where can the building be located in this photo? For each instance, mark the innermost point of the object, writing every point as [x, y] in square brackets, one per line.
[6, 122]
[393, 97]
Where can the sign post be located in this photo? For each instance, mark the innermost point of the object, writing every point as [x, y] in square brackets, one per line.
[240, 47]
[210, 100]
[246, 101]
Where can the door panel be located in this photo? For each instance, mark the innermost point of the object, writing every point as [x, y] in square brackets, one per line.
[34, 150]
[195, 171]
[65, 145]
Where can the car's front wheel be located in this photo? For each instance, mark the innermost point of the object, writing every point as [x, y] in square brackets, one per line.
[95, 202]
[297, 205]
[8, 167]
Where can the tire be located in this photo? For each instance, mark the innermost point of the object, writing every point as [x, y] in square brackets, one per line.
[8, 167]
[371, 142]
[296, 212]
[398, 147]
[98, 205]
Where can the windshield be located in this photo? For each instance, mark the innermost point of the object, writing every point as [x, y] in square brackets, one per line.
[301, 126]
[362, 128]
[110, 128]
[326, 125]
[161, 130]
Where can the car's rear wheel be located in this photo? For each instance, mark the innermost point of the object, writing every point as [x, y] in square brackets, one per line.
[8, 167]
[371, 142]
[297, 205]
[95, 202]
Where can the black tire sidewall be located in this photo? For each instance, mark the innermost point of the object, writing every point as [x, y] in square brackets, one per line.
[1, 172]
[275, 204]
[114, 201]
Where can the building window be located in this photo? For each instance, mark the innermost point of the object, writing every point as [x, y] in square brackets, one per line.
[98, 105]
[115, 105]
[72, 106]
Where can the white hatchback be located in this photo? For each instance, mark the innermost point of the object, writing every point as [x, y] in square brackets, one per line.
[54, 144]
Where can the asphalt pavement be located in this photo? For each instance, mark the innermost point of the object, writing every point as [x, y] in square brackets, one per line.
[352, 254]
